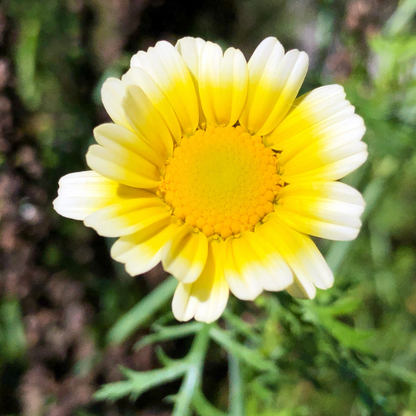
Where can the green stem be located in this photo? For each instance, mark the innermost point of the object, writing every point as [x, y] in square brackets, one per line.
[400, 18]
[193, 378]
[236, 386]
[137, 316]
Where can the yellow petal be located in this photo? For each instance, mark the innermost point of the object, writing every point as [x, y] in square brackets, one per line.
[302, 289]
[326, 153]
[274, 81]
[146, 121]
[122, 165]
[320, 138]
[327, 166]
[323, 209]
[308, 113]
[82, 193]
[190, 50]
[206, 298]
[251, 264]
[328, 135]
[128, 216]
[165, 65]
[299, 252]
[139, 77]
[222, 84]
[112, 94]
[140, 252]
[185, 255]
[112, 136]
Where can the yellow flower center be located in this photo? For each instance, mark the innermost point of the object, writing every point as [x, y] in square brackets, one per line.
[222, 181]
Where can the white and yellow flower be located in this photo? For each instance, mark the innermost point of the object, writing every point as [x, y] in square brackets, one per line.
[214, 167]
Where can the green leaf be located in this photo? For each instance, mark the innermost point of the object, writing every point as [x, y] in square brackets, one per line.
[26, 55]
[163, 357]
[12, 333]
[140, 382]
[357, 339]
[251, 357]
[343, 306]
[401, 18]
[238, 325]
[404, 374]
[203, 407]
[169, 333]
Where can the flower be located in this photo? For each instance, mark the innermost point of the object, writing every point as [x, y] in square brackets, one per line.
[214, 167]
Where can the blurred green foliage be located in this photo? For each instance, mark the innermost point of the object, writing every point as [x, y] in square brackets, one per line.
[352, 351]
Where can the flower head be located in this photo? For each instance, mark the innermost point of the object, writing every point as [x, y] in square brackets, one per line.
[215, 168]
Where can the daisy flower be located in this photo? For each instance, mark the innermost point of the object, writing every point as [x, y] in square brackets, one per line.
[214, 167]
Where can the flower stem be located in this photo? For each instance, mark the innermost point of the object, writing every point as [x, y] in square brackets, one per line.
[143, 310]
[193, 378]
[236, 386]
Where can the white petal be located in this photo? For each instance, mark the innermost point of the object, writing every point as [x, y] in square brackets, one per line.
[206, 298]
[139, 77]
[251, 264]
[222, 84]
[128, 216]
[190, 50]
[140, 252]
[82, 193]
[123, 166]
[320, 137]
[146, 121]
[326, 164]
[112, 94]
[113, 136]
[307, 114]
[323, 209]
[299, 252]
[274, 81]
[165, 65]
[327, 152]
[185, 255]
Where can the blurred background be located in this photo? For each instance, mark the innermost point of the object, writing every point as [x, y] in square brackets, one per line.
[352, 351]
